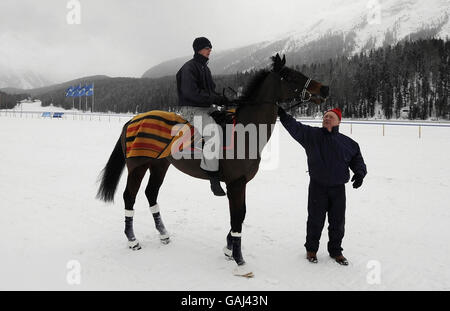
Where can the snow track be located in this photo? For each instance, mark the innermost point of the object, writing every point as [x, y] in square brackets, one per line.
[399, 219]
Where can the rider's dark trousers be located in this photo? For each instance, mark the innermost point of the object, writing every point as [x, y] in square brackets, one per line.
[322, 200]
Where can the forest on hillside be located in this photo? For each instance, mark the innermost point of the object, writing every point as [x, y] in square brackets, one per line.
[8, 101]
[374, 84]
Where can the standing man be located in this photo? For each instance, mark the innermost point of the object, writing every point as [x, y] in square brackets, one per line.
[330, 155]
[197, 96]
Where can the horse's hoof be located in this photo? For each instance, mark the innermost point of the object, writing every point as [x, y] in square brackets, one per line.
[228, 253]
[165, 239]
[134, 245]
[244, 271]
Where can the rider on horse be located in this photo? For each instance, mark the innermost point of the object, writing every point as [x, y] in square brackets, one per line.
[197, 97]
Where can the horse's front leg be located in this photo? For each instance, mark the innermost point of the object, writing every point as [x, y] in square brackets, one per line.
[236, 198]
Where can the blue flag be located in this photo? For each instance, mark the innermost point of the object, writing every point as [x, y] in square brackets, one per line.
[69, 91]
[75, 91]
[89, 90]
[82, 91]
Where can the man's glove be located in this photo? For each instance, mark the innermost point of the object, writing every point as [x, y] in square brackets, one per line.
[220, 101]
[357, 180]
[281, 112]
[215, 107]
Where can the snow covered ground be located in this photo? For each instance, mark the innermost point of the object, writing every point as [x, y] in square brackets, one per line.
[397, 228]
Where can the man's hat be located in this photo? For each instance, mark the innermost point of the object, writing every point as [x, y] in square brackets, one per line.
[338, 112]
[201, 43]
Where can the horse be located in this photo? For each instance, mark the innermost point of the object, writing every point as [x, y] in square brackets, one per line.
[258, 105]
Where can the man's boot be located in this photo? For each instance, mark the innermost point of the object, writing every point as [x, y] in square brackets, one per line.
[215, 183]
[340, 259]
[311, 257]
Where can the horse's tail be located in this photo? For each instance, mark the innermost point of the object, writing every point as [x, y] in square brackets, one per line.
[110, 175]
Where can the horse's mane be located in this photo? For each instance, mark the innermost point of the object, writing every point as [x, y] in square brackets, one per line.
[252, 87]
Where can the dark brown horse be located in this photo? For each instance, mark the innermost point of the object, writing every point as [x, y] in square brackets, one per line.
[258, 106]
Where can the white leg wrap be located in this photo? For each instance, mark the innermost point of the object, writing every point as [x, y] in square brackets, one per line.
[132, 244]
[228, 252]
[154, 209]
[129, 213]
[236, 234]
[164, 236]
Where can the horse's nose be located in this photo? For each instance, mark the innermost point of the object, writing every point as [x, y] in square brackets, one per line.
[324, 91]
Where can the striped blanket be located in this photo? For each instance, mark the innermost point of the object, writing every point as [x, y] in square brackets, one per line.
[150, 134]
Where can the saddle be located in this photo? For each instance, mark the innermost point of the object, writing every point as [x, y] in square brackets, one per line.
[224, 117]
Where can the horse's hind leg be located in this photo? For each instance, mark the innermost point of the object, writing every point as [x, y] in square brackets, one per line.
[129, 196]
[158, 171]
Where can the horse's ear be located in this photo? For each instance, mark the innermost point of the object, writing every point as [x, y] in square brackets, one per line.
[278, 63]
[275, 58]
[283, 61]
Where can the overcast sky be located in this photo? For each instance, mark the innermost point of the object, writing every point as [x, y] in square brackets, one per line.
[125, 38]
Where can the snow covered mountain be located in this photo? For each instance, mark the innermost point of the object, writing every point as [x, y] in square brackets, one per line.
[348, 28]
[21, 78]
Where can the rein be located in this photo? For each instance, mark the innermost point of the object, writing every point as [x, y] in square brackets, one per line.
[303, 98]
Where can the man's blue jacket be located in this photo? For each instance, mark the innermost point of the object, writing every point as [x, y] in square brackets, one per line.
[330, 154]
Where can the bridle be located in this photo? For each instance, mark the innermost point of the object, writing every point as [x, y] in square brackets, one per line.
[305, 94]
[305, 90]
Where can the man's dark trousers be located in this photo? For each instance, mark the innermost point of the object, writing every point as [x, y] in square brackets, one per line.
[323, 199]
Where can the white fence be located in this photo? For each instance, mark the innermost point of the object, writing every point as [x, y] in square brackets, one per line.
[114, 117]
[385, 124]
[66, 115]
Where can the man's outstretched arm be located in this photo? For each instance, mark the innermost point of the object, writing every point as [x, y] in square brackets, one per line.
[297, 130]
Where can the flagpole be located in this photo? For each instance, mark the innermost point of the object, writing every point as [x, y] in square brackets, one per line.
[79, 99]
[93, 93]
[69, 93]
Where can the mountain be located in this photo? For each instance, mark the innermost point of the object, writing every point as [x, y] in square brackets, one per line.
[413, 75]
[46, 89]
[348, 28]
[21, 78]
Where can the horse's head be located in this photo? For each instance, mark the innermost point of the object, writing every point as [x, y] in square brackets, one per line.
[297, 86]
